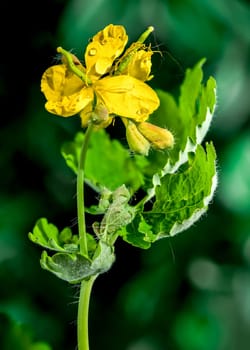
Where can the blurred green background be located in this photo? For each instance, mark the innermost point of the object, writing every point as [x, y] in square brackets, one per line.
[191, 292]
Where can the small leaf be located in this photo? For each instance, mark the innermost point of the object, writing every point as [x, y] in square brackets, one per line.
[48, 236]
[103, 259]
[73, 267]
[71, 151]
[66, 235]
[103, 204]
[69, 267]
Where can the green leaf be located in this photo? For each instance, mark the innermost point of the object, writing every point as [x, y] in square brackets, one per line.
[184, 178]
[108, 163]
[188, 119]
[73, 267]
[103, 258]
[48, 236]
[71, 151]
[183, 197]
[138, 233]
[180, 200]
[69, 267]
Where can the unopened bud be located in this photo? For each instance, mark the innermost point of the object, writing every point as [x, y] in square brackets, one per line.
[100, 114]
[136, 141]
[159, 138]
[140, 64]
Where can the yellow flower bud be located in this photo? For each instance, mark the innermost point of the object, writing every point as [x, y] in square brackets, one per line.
[100, 117]
[158, 137]
[136, 141]
[140, 65]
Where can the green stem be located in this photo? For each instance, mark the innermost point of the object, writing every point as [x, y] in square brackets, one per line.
[83, 313]
[86, 285]
[80, 194]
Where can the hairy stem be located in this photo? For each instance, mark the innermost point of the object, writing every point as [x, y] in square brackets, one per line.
[83, 313]
[80, 194]
[86, 285]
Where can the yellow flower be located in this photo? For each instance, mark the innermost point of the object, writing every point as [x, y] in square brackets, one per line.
[71, 88]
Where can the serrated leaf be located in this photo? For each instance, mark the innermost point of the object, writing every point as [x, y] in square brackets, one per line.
[183, 197]
[188, 119]
[74, 267]
[48, 236]
[108, 164]
[180, 200]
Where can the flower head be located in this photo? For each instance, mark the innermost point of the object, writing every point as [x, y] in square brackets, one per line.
[71, 87]
[111, 82]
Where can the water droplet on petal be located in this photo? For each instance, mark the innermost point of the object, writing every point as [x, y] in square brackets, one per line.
[92, 52]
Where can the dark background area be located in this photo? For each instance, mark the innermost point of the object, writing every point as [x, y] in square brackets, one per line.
[189, 292]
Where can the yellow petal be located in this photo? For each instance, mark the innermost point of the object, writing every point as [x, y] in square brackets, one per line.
[66, 94]
[68, 106]
[127, 97]
[158, 137]
[97, 60]
[105, 47]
